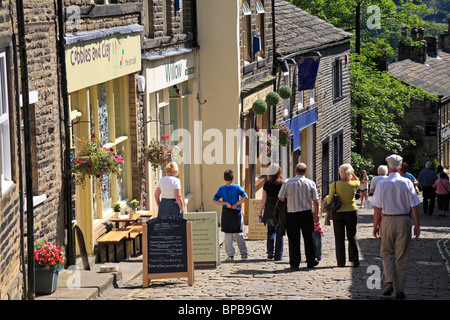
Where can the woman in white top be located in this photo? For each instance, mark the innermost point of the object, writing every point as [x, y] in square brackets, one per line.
[169, 189]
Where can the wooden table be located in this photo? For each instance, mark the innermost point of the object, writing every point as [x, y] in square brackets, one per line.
[147, 214]
[127, 221]
[113, 237]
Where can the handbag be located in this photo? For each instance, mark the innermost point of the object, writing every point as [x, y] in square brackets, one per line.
[335, 203]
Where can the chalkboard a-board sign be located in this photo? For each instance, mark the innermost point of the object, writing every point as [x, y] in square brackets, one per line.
[167, 249]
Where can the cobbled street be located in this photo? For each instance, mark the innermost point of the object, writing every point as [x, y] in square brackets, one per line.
[260, 279]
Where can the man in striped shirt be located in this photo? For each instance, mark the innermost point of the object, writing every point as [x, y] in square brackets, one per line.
[302, 210]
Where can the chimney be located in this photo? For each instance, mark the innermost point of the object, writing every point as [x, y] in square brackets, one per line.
[444, 39]
[432, 46]
[415, 50]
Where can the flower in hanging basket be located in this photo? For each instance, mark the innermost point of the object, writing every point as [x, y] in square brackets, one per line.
[285, 92]
[160, 154]
[259, 106]
[267, 142]
[134, 204]
[47, 255]
[95, 160]
[284, 134]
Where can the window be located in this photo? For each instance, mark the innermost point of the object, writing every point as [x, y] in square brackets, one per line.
[337, 79]
[247, 21]
[175, 115]
[300, 100]
[104, 111]
[312, 96]
[149, 25]
[5, 139]
[167, 17]
[260, 26]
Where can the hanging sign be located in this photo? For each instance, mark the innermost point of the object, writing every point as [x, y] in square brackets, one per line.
[307, 72]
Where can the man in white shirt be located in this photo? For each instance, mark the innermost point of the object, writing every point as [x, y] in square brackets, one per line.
[302, 210]
[395, 196]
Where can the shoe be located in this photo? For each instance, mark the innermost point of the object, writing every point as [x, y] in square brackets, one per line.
[244, 257]
[294, 268]
[270, 256]
[312, 265]
[229, 259]
[400, 296]
[388, 289]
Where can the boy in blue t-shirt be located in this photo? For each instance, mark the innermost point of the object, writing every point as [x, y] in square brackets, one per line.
[231, 219]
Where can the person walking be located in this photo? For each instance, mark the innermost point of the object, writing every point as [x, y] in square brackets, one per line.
[169, 189]
[345, 218]
[426, 178]
[395, 197]
[382, 174]
[442, 186]
[363, 187]
[231, 219]
[302, 211]
[269, 199]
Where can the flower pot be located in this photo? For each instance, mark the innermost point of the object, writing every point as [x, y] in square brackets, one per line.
[132, 213]
[117, 213]
[46, 280]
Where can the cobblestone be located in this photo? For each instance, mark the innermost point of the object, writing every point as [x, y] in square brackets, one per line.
[260, 279]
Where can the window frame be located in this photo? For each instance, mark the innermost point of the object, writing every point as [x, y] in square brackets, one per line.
[247, 31]
[337, 86]
[5, 128]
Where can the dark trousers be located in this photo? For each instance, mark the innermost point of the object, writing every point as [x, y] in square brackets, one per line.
[429, 197]
[345, 222]
[297, 222]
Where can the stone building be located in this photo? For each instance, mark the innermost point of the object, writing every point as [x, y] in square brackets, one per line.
[46, 136]
[318, 112]
[102, 50]
[170, 101]
[427, 122]
[236, 69]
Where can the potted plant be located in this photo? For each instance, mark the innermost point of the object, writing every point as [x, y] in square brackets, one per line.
[116, 208]
[49, 260]
[272, 98]
[285, 92]
[160, 154]
[134, 204]
[259, 106]
[95, 160]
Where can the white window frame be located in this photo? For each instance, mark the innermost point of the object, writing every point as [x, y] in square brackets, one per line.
[312, 96]
[300, 100]
[5, 135]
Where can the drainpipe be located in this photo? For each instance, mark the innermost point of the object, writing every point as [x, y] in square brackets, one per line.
[19, 154]
[70, 250]
[27, 144]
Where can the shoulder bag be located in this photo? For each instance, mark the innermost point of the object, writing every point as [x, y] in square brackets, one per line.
[335, 203]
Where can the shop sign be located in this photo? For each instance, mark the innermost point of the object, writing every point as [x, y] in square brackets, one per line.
[99, 60]
[167, 72]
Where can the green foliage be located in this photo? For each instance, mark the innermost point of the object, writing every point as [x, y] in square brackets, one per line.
[285, 92]
[272, 98]
[359, 163]
[259, 106]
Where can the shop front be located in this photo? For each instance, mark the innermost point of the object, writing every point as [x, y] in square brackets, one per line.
[171, 109]
[102, 68]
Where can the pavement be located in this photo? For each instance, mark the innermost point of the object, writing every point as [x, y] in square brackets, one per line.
[257, 278]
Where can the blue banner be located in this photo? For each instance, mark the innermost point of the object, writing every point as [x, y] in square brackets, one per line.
[307, 72]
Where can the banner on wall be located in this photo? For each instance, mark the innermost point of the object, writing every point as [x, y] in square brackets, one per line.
[308, 68]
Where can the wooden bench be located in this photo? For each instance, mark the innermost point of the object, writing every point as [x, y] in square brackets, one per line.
[114, 237]
[135, 234]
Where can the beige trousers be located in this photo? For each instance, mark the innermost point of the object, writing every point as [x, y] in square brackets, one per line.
[395, 235]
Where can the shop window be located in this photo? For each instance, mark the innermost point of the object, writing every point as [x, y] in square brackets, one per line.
[247, 29]
[5, 138]
[104, 111]
[260, 13]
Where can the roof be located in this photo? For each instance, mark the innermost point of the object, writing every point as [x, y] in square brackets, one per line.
[432, 76]
[297, 31]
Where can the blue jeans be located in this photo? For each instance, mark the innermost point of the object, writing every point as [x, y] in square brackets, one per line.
[317, 239]
[274, 241]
